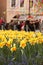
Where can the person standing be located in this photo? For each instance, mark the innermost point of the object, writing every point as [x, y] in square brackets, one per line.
[1, 22]
[22, 25]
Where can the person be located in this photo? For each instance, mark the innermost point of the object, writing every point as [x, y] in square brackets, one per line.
[7, 26]
[37, 24]
[11, 25]
[1, 22]
[18, 26]
[22, 25]
[30, 25]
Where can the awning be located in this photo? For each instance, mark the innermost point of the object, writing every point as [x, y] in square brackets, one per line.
[23, 17]
[30, 17]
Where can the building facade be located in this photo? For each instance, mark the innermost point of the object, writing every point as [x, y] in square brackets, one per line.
[8, 9]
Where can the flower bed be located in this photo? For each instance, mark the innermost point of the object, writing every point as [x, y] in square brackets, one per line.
[21, 48]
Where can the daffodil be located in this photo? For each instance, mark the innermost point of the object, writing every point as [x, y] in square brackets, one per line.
[13, 48]
[23, 44]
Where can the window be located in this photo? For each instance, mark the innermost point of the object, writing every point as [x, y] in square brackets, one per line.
[31, 4]
[21, 3]
[13, 3]
[36, 7]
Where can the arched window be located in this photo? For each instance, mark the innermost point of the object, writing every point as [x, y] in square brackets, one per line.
[13, 3]
[21, 3]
